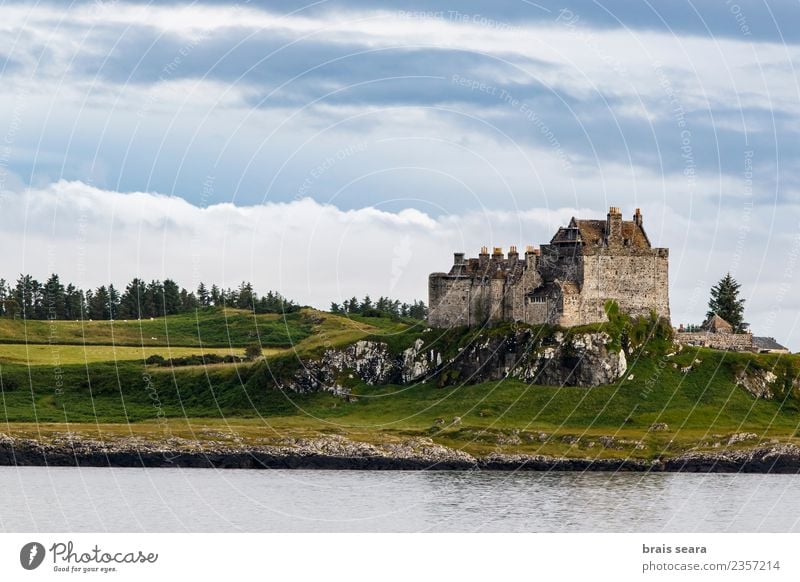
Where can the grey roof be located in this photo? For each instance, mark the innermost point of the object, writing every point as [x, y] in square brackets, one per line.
[767, 343]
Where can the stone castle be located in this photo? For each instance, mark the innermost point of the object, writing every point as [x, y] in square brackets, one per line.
[566, 282]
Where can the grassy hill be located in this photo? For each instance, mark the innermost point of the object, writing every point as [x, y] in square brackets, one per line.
[98, 383]
[210, 327]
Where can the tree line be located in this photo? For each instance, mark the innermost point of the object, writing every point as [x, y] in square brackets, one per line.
[383, 307]
[30, 299]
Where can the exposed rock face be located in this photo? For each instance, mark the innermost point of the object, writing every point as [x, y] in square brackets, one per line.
[416, 363]
[583, 359]
[370, 361]
[759, 383]
[741, 437]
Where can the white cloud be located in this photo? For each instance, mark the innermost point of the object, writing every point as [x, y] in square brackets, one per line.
[310, 251]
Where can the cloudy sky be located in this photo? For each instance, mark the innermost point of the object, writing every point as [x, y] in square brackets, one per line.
[334, 148]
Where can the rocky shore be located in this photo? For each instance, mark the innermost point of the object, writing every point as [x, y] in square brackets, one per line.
[335, 452]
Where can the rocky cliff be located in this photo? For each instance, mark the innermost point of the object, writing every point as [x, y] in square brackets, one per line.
[556, 358]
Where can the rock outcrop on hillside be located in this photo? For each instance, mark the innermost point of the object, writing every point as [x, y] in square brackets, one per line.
[560, 359]
[759, 383]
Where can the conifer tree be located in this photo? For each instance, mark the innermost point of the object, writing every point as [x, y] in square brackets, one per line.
[726, 303]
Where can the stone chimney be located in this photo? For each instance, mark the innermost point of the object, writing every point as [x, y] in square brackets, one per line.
[637, 217]
[498, 253]
[531, 256]
[614, 226]
[483, 258]
[459, 265]
[513, 255]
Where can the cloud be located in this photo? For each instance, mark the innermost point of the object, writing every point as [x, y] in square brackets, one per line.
[142, 96]
[313, 252]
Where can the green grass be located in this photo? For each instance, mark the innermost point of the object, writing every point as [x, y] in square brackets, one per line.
[209, 327]
[110, 386]
[52, 355]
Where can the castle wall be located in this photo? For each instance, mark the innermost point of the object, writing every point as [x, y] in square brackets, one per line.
[736, 342]
[448, 300]
[517, 306]
[537, 313]
[496, 297]
[637, 279]
[563, 263]
[571, 311]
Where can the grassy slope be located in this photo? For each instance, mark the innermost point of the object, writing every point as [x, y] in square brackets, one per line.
[700, 406]
[44, 354]
[205, 327]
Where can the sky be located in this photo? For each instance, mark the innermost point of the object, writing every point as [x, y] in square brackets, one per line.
[333, 148]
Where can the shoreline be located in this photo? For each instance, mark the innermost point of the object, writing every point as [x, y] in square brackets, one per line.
[336, 453]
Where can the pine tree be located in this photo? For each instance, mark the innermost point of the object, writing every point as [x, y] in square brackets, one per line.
[202, 295]
[726, 303]
[73, 302]
[113, 302]
[215, 296]
[54, 299]
[99, 305]
[132, 299]
[171, 298]
[246, 297]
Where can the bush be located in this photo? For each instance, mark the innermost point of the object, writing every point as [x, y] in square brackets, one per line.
[253, 351]
[195, 360]
[9, 384]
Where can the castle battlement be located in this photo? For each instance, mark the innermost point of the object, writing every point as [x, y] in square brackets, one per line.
[566, 282]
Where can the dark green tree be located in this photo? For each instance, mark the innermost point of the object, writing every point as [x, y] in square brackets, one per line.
[73, 302]
[253, 351]
[54, 299]
[132, 300]
[246, 298]
[151, 303]
[99, 304]
[726, 303]
[215, 295]
[113, 302]
[172, 298]
[203, 296]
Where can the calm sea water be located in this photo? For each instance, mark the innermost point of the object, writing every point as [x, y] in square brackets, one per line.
[207, 500]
